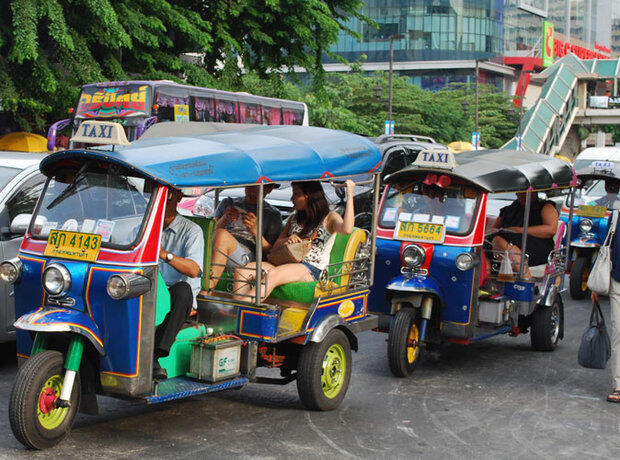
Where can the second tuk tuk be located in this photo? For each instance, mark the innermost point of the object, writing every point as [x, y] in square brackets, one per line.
[594, 200]
[442, 283]
[89, 295]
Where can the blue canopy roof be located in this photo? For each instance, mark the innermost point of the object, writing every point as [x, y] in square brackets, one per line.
[239, 157]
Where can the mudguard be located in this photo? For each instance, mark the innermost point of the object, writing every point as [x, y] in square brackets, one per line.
[416, 284]
[61, 320]
[330, 322]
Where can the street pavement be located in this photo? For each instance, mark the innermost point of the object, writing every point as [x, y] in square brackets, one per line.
[494, 399]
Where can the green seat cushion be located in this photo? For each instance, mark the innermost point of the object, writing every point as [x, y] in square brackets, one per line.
[163, 300]
[207, 224]
[299, 292]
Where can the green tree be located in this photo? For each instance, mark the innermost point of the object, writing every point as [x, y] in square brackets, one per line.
[49, 48]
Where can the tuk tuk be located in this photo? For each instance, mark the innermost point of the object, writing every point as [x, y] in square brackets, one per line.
[441, 283]
[89, 294]
[594, 201]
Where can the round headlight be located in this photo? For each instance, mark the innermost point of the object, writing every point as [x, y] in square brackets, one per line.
[413, 256]
[585, 225]
[465, 261]
[56, 280]
[117, 287]
[10, 270]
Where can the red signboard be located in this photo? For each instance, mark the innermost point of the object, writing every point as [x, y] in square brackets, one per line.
[562, 48]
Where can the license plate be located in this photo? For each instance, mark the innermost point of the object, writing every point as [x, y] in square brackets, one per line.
[73, 245]
[591, 211]
[419, 231]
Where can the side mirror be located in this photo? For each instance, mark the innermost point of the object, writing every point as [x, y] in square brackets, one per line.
[20, 224]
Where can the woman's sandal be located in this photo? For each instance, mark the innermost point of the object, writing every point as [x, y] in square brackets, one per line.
[614, 397]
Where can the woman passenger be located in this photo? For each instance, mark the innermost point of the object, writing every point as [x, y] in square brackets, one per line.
[542, 226]
[312, 219]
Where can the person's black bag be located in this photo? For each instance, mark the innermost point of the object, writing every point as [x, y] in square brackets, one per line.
[595, 348]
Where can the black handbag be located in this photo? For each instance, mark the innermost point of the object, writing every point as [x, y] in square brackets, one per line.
[595, 348]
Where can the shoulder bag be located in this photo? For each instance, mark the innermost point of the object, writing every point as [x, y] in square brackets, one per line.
[292, 253]
[600, 276]
[595, 348]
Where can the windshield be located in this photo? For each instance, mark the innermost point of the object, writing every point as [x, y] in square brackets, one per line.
[594, 193]
[453, 206]
[114, 101]
[112, 205]
[6, 174]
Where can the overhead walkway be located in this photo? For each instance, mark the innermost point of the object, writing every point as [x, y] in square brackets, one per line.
[563, 102]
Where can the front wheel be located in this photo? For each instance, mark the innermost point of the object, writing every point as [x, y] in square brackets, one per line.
[324, 371]
[546, 326]
[35, 420]
[404, 347]
[579, 278]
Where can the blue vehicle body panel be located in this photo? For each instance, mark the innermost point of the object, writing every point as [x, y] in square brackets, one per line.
[181, 387]
[592, 241]
[115, 323]
[454, 287]
[257, 154]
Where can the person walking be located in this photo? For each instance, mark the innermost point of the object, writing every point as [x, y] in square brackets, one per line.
[614, 303]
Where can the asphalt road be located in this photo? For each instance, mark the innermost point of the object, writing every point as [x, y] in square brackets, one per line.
[494, 399]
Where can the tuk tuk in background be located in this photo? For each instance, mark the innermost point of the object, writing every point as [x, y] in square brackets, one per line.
[88, 293]
[594, 201]
[435, 280]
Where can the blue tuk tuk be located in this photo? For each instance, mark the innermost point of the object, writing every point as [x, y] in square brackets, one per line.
[89, 295]
[594, 201]
[436, 281]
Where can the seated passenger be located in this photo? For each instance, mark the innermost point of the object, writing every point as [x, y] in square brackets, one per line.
[611, 188]
[180, 258]
[542, 226]
[312, 219]
[234, 239]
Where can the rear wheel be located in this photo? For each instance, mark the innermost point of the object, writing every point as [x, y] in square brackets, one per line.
[404, 347]
[35, 420]
[579, 278]
[546, 326]
[324, 371]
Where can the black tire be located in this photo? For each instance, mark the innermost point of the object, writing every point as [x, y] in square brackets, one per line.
[402, 363]
[578, 276]
[310, 371]
[547, 326]
[24, 402]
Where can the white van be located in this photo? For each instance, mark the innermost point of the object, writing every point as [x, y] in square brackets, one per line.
[585, 158]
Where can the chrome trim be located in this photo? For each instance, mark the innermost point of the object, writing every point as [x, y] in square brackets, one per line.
[19, 267]
[135, 285]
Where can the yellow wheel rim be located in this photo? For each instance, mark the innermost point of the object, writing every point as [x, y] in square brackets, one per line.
[412, 344]
[584, 279]
[48, 415]
[334, 369]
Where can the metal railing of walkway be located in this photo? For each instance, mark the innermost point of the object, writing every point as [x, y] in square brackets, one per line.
[546, 125]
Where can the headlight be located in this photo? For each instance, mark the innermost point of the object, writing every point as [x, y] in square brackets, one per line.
[466, 261]
[413, 256]
[11, 270]
[585, 225]
[127, 285]
[56, 280]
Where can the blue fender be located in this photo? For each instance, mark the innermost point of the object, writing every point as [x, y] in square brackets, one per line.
[61, 320]
[416, 284]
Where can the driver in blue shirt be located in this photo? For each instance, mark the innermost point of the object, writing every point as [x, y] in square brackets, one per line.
[180, 259]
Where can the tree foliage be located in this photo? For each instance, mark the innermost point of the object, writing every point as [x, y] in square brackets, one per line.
[49, 48]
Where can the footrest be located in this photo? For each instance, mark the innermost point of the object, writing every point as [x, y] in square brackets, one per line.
[182, 387]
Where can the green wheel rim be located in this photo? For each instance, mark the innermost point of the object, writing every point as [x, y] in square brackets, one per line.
[334, 370]
[48, 417]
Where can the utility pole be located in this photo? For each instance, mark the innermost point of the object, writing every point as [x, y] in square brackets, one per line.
[390, 77]
[476, 113]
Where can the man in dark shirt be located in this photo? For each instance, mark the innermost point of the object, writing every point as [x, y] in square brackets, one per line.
[234, 239]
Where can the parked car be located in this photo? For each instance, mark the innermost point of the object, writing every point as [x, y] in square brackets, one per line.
[20, 186]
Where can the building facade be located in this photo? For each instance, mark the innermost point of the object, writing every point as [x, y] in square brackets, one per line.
[437, 42]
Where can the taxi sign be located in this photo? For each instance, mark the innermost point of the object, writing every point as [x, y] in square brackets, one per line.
[100, 132]
[591, 211]
[602, 165]
[73, 245]
[440, 159]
